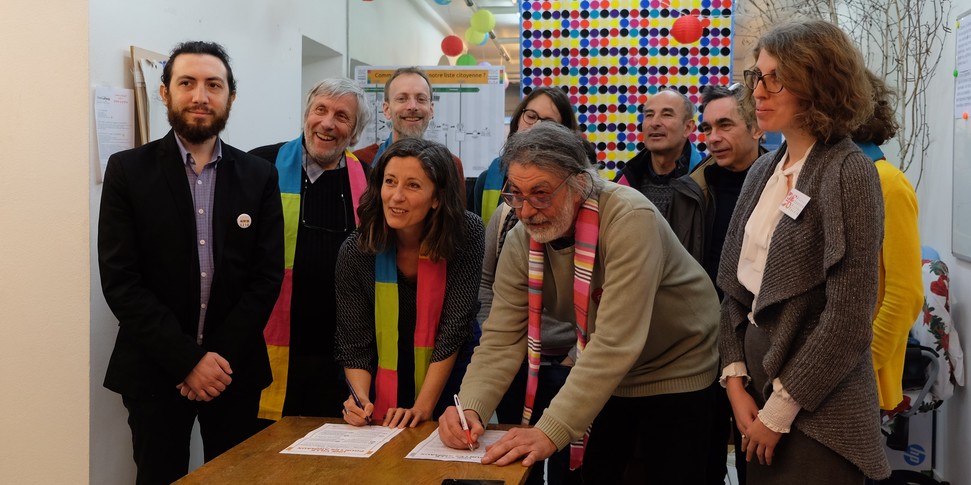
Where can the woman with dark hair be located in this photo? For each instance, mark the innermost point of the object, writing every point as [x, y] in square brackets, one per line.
[799, 269]
[541, 104]
[901, 283]
[407, 295]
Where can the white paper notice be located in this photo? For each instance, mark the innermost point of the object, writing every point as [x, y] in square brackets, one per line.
[114, 118]
[343, 440]
[433, 449]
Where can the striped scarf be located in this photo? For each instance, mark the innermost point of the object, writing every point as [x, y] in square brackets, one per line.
[494, 178]
[289, 164]
[430, 297]
[585, 251]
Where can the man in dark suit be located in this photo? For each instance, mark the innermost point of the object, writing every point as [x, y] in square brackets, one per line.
[190, 247]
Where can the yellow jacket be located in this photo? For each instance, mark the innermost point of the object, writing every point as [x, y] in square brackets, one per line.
[901, 293]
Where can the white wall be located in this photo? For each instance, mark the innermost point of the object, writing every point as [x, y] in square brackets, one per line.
[44, 218]
[265, 40]
[934, 195]
[399, 32]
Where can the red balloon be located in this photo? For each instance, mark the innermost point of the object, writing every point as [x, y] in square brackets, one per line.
[687, 29]
[452, 45]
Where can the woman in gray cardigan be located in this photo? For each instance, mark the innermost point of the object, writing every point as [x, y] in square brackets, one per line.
[799, 269]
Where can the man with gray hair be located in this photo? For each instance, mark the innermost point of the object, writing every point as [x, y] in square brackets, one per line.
[321, 182]
[599, 255]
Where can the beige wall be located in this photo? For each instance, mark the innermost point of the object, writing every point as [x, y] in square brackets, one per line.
[44, 228]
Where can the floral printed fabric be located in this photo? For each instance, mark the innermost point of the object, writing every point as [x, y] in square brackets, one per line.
[935, 329]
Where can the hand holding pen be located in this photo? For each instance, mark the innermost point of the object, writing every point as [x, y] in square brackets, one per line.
[463, 421]
[355, 411]
[453, 434]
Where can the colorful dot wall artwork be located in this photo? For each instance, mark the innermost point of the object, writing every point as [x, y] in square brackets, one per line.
[611, 55]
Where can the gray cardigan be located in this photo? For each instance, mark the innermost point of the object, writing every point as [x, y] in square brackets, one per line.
[817, 298]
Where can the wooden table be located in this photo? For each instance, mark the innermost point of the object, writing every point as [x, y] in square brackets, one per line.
[258, 460]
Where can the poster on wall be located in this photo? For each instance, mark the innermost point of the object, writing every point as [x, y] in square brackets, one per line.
[468, 107]
[611, 55]
[114, 123]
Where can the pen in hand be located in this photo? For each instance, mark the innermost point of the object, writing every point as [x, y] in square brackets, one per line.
[465, 423]
[357, 400]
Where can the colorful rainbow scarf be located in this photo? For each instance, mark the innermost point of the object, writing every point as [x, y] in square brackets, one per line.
[430, 297]
[585, 252]
[494, 179]
[289, 164]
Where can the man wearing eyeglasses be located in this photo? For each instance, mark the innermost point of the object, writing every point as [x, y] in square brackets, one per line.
[668, 154]
[409, 105]
[732, 134]
[598, 255]
[321, 182]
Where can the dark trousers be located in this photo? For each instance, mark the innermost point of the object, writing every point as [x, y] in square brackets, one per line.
[315, 386]
[161, 428]
[723, 426]
[662, 439]
[801, 459]
[551, 377]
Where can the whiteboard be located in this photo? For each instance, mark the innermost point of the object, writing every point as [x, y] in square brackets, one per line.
[469, 108]
[961, 176]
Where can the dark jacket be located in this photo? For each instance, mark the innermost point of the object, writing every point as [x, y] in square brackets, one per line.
[150, 267]
[694, 208]
[686, 222]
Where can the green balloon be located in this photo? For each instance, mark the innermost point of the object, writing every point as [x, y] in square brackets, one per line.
[483, 21]
[474, 37]
[466, 60]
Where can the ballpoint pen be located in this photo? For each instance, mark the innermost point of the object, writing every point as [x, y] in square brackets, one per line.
[465, 423]
[357, 400]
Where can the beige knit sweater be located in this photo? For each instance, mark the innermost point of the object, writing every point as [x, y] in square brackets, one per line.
[653, 316]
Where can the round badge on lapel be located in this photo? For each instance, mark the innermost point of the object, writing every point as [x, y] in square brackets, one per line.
[244, 220]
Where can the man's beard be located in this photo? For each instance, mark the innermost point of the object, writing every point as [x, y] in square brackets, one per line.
[555, 228]
[325, 158]
[195, 132]
[408, 131]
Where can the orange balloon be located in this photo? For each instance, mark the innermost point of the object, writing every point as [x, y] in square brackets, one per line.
[687, 29]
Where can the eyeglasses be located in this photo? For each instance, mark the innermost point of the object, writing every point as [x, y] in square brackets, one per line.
[531, 117]
[769, 81]
[541, 201]
[344, 227]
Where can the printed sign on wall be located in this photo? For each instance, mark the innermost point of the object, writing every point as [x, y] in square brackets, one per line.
[468, 103]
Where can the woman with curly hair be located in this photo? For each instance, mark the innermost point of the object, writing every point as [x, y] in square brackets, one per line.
[799, 269]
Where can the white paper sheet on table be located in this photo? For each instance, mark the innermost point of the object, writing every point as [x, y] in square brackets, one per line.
[343, 440]
[432, 448]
